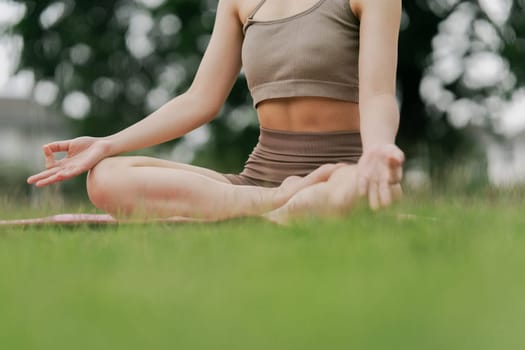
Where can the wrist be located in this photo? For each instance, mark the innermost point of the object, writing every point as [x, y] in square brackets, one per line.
[108, 146]
[369, 147]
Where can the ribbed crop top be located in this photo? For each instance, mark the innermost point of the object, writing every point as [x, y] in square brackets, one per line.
[312, 53]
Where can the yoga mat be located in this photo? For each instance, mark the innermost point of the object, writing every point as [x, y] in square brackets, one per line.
[63, 219]
[92, 219]
[105, 219]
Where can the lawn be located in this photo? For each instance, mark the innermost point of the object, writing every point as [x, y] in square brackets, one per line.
[450, 276]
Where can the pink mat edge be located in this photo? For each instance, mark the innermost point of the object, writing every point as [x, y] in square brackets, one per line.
[64, 219]
[96, 219]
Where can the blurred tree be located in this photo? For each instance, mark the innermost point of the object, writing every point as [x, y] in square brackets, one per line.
[514, 43]
[419, 26]
[112, 62]
[474, 73]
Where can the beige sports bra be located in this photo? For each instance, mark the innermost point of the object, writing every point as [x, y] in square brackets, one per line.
[312, 53]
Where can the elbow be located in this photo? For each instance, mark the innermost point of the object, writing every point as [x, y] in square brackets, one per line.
[207, 106]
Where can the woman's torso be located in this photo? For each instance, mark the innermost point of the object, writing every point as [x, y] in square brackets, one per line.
[299, 113]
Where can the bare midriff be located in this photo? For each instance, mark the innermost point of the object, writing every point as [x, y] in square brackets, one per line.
[308, 114]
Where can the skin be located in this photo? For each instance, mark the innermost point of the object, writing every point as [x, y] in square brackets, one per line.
[166, 189]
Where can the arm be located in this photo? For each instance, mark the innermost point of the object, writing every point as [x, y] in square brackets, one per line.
[201, 103]
[380, 21]
[380, 165]
[217, 73]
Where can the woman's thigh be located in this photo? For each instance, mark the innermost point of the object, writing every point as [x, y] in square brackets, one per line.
[139, 161]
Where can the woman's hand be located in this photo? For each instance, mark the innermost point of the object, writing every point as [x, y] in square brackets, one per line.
[379, 169]
[83, 153]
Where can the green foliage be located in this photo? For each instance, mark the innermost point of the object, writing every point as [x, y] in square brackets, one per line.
[474, 70]
[514, 36]
[89, 49]
[419, 27]
[54, 52]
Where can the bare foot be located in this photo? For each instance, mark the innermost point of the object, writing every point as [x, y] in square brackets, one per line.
[294, 184]
[332, 198]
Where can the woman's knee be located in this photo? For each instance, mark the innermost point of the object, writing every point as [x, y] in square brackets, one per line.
[103, 182]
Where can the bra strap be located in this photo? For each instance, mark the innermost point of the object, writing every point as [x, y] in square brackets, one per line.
[256, 9]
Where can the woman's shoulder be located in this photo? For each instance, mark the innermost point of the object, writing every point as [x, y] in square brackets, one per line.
[233, 8]
[241, 8]
[365, 2]
[359, 5]
[244, 8]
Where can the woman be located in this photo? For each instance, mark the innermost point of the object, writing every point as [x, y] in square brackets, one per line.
[302, 59]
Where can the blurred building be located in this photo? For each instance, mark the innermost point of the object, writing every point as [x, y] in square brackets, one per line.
[24, 127]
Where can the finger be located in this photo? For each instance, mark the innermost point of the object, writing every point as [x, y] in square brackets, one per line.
[395, 176]
[59, 176]
[373, 195]
[42, 175]
[396, 158]
[50, 158]
[47, 181]
[385, 194]
[401, 156]
[362, 186]
[58, 146]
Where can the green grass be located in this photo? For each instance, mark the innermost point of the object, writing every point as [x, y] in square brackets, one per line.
[451, 278]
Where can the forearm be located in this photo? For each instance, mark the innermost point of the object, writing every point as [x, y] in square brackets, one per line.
[176, 118]
[379, 120]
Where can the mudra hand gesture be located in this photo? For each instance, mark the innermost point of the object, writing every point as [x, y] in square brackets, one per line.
[379, 173]
[83, 153]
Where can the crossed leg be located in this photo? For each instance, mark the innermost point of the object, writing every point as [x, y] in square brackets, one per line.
[332, 198]
[149, 188]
